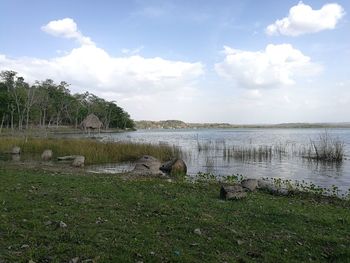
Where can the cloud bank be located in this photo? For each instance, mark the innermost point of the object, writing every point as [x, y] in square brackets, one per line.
[91, 68]
[275, 66]
[302, 19]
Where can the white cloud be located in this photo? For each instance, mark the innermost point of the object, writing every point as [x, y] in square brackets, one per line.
[131, 79]
[66, 28]
[302, 19]
[134, 51]
[91, 68]
[275, 66]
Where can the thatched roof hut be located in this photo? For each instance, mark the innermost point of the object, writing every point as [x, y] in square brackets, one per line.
[91, 122]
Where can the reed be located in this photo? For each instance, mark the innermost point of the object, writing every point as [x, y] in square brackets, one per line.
[94, 151]
[249, 152]
[326, 148]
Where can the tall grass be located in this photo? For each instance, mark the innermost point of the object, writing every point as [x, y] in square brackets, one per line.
[249, 152]
[94, 151]
[325, 148]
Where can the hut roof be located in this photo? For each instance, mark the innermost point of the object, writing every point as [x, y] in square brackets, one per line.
[91, 121]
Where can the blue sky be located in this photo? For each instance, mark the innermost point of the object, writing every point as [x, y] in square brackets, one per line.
[167, 59]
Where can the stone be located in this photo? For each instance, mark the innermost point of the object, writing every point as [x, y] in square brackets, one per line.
[79, 161]
[250, 184]
[46, 155]
[174, 167]
[232, 192]
[240, 242]
[282, 191]
[179, 168]
[166, 167]
[266, 185]
[197, 231]
[74, 260]
[147, 165]
[16, 150]
[62, 224]
[271, 188]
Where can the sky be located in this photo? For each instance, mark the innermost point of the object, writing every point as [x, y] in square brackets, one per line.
[242, 61]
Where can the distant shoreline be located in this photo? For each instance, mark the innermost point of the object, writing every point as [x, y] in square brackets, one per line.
[176, 124]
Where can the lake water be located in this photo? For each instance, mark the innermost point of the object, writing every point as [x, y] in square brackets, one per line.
[208, 151]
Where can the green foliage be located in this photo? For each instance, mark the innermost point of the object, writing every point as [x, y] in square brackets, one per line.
[46, 104]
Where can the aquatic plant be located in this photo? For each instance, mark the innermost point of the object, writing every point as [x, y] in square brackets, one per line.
[94, 151]
[326, 148]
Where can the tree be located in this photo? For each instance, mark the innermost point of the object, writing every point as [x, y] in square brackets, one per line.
[47, 103]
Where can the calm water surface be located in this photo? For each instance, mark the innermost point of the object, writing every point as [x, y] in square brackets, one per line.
[211, 157]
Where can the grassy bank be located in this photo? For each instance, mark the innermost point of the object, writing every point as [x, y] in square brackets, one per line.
[110, 219]
[94, 151]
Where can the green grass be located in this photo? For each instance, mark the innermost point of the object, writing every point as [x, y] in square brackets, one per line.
[112, 219]
[94, 151]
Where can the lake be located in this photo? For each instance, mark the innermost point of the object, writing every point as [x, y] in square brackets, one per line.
[210, 151]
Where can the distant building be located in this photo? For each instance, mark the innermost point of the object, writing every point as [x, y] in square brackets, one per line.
[91, 122]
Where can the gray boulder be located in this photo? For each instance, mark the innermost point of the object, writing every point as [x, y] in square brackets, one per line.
[250, 184]
[232, 192]
[46, 155]
[16, 150]
[174, 167]
[78, 161]
[271, 188]
[265, 185]
[147, 165]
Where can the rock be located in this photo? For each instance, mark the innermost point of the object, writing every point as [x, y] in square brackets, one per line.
[46, 155]
[230, 192]
[62, 224]
[282, 191]
[179, 168]
[166, 167]
[250, 184]
[16, 150]
[74, 260]
[197, 231]
[266, 185]
[79, 161]
[240, 242]
[269, 187]
[174, 167]
[147, 165]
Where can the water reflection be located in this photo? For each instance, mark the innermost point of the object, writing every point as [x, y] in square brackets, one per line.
[253, 153]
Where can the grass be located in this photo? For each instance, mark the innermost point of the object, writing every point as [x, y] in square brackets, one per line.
[325, 148]
[249, 152]
[111, 219]
[94, 151]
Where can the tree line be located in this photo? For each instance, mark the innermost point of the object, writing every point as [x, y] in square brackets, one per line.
[46, 104]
